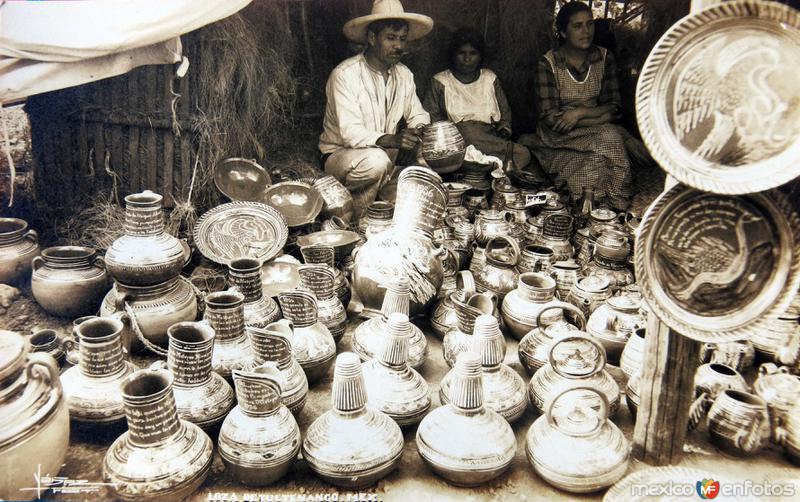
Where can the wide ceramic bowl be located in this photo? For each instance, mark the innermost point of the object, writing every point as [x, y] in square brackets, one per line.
[298, 202]
[241, 179]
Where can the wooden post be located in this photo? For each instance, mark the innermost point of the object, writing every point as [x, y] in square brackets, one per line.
[666, 388]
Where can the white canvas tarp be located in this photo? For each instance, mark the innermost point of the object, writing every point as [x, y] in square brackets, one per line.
[46, 46]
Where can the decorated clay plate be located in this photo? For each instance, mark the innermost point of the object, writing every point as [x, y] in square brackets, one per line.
[241, 179]
[717, 99]
[716, 267]
[298, 202]
[241, 229]
[670, 483]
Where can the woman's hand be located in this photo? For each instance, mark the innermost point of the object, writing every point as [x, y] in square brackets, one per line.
[567, 120]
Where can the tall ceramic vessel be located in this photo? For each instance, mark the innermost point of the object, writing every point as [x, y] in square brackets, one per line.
[338, 200]
[407, 248]
[34, 418]
[244, 275]
[160, 457]
[145, 254]
[18, 246]
[232, 348]
[319, 279]
[325, 255]
[273, 344]
[312, 343]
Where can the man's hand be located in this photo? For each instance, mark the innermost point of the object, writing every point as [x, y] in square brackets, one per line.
[504, 132]
[407, 139]
[566, 121]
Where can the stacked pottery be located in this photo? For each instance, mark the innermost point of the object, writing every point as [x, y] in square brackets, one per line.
[244, 275]
[260, 438]
[459, 340]
[407, 249]
[499, 274]
[376, 219]
[575, 447]
[338, 200]
[369, 337]
[319, 279]
[780, 390]
[202, 396]
[325, 255]
[610, 259]
[160, 457]
[352, 445]
[613, 323]
[92, 387]
[392, 386]
[534, 348]
[503, 389]
[574, 362]
[34, 417]
[738, 422]
[232, 349]
[273, 344]
[465, 442]
[312, 343]
[521, 307]
[18, 246]
[69, 281]
[443, 147]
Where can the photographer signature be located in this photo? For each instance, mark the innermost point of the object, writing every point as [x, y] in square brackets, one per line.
[60, 484]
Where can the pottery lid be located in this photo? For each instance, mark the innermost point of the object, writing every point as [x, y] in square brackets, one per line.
[576, 357]
[625, 303]
[603, 215]
[573, 419]
[594, 283]
[13, 348]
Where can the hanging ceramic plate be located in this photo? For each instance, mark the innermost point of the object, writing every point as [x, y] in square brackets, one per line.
[241, 229]
[298, 202]
[670, 483]
[241, 179]
[717, 99]
[715, 267]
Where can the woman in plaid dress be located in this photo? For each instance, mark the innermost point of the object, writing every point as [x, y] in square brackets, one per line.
[579, 98]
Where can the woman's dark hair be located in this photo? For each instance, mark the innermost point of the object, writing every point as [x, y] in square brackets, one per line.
[566, 12]
[464, 36]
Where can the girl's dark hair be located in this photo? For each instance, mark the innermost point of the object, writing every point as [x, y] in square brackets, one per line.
[566, 12]
[464, 36]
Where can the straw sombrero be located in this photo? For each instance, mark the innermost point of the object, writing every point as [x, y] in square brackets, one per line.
[418, 25]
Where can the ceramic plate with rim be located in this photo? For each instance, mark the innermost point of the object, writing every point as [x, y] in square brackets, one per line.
[717, 98]
[715, 267]
[239, 229]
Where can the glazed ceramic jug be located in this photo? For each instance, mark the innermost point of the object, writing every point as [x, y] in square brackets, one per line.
[160, 456]
[312, 343]
[407, 249]
[18, 246]
[338, 200]
[352, 445]
[499, 275]
[202, 396]
[463, 441]
[534, 348]
[503, 389]
[780, 390]
[521, 307]
[613, 322]
[369, 336]
[319, 279]
[738, 422]
[459, 340]
[69, 281]
[232, 348]
[260, 438]
[92, 387]
[392, 386]
[535, 259]
[574, 361]
[34, 417]
[244, 275]
[491, 223]
[145, 255]
[273, 344]
[589, 293]
[324, 255]
[575, 447]
[443, 147]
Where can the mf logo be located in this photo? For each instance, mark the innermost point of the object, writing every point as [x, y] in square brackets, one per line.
[708, 488]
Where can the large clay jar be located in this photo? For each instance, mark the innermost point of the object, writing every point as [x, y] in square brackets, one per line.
[613, 323]
[319, 279]
[92, 387]
[273, 344]
[534, 348]
[232, 348]
[154, 308]
[499, 275]
[369, 336]
[352, 445]
[260, 438]
[443, 147]
[203, 397]
[145, 254]
[392, 386]
[338, 200]
[738, 423]
[576, 448]
[244, 275]
[160, 457]
[503, 389]
[463, 441]
[18, 246]
[521, 307]
[69, 281]
[312, 343]
[34, 418]
[407, 249]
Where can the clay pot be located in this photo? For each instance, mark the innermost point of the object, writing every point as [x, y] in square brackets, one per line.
[490, 223]
[738, 422]
[499, 275]
[48, 342]
[69, 281]
[244, 275]
[612, 324]
[338, 200]
[780, 390]
[312, 343]
[443, 147]
[320, 280]
[534, 348]
[273, 344]
[18, 246]
[232, 348]
[521, 307]
[376, 219]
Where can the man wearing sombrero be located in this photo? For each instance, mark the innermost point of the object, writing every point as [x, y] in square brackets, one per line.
[368, 95]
